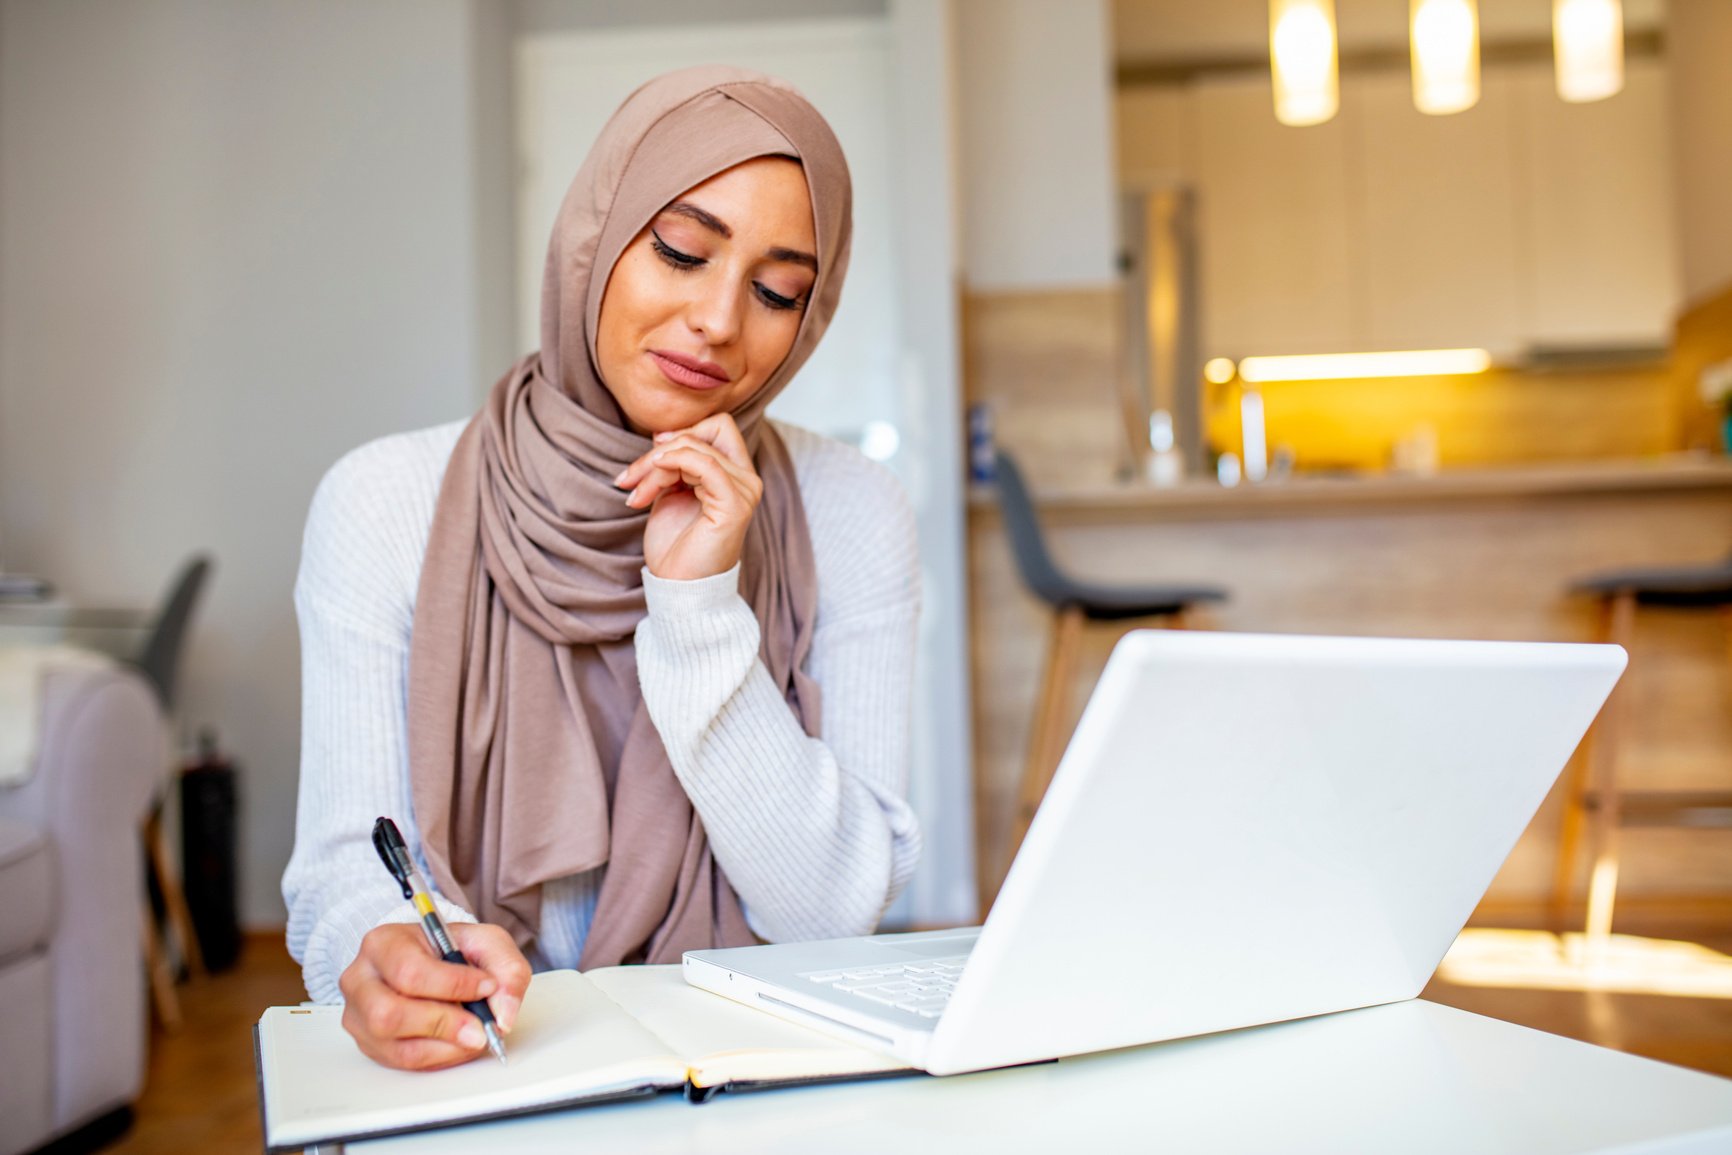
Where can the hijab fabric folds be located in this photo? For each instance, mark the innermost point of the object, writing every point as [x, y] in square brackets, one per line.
[531, 753]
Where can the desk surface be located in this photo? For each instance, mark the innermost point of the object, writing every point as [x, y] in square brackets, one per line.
[1409, 1077]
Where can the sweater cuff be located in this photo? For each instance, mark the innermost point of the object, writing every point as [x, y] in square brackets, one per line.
[668, 598]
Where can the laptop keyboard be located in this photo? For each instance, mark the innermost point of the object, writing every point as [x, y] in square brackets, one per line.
[921, 987]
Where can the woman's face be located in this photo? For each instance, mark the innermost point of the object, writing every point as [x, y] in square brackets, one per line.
[704, 304]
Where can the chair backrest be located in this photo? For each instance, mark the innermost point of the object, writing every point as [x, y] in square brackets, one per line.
[159, 660]
[1027, 543]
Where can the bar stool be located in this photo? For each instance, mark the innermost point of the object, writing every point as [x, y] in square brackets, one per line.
[1073, 602]
[1619, 593]
[159, 662]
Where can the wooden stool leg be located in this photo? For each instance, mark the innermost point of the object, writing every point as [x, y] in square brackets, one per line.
[1577, 782]
[1603, 884]
[1068, 641]
[1726, 620]
[1570, 827]
[1044, 742]
[162, 997]
[173, 897]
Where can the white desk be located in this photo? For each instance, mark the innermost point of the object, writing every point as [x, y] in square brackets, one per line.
[1410, 1077]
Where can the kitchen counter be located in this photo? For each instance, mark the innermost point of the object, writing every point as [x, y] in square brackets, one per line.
[1681, 473]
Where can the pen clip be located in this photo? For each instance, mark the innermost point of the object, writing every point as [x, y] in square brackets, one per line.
[388, 841]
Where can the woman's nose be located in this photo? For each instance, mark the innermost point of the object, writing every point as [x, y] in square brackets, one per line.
[714, 311]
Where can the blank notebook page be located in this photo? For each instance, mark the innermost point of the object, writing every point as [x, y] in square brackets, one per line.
[570, 1041]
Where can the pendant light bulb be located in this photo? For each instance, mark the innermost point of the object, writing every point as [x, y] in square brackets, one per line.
[1588, 47]
[1302, 58]
[1445, 38]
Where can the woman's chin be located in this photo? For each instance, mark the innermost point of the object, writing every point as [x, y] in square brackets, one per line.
[668, 420]
[668, 414]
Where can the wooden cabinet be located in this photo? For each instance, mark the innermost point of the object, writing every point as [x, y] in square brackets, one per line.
[1522, 223]
[1272, 206]
[1603, 258]
[1436, 252]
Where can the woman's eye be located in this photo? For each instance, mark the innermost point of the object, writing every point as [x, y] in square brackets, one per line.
[776, 301]
[672, 255]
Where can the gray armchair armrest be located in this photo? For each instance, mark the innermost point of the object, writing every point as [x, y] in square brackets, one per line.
[103, 752]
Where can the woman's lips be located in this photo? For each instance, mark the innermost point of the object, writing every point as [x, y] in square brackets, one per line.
[689, 371]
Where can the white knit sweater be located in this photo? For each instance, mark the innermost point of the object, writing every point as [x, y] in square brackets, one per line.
[815, 835]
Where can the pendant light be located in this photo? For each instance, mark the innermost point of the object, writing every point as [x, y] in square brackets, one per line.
[1302, 58]
[1445, 35]
[1588, 46]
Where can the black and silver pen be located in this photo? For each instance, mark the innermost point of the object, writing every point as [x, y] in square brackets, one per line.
[388, 841]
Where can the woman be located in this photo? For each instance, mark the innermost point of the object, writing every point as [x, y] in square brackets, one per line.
[629, 664]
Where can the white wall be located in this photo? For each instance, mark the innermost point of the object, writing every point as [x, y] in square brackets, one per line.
[493, 170]
[238, 239]
[1035, 131]
[1699, 52]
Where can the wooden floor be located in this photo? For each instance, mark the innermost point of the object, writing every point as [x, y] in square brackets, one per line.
[199, 1095]
[1688, 1032]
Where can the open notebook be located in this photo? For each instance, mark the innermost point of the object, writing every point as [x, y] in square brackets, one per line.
[580, 1038]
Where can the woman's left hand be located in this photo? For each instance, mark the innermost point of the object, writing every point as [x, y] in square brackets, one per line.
[702, 489]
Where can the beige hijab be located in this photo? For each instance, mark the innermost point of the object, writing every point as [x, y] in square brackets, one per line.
[531, 754]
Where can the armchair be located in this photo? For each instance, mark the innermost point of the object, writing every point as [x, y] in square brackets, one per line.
[72, 1040]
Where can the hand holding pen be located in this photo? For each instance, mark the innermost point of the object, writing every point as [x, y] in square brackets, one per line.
[402, 1002]
[394, 853]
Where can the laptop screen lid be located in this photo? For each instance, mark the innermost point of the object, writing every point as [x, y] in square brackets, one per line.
[1248, 828]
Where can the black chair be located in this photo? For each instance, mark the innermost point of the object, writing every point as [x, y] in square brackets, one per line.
[1073, 603]
[1593, 780]
[159, 662]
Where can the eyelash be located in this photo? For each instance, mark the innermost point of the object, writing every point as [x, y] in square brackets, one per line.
[685, 263]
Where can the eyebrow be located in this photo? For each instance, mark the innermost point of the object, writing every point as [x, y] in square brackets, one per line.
[716, 225]
[795, 256]
[708, 219]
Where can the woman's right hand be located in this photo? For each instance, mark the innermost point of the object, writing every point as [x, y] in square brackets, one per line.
[403, 1005]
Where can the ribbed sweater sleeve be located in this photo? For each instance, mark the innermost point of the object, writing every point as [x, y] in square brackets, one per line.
[361, 551]
[815, 834]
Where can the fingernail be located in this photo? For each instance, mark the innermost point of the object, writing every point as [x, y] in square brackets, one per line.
[631, 497]
[488, 986]
[663, 436]
[657, 456]
[472, 1036]
[505, 1012]
[620, 480]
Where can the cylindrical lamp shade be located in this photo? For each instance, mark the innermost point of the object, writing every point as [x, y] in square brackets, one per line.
[1445, 35]
[1302, 59]
[1588, 46]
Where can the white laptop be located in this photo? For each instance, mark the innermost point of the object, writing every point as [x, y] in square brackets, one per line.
[1244, 829]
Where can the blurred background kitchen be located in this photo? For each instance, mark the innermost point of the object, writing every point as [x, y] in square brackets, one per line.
[1393, 317]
